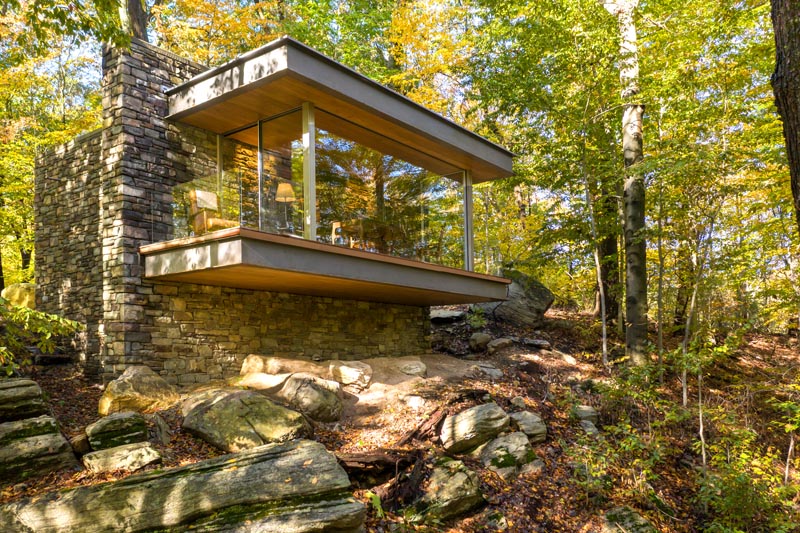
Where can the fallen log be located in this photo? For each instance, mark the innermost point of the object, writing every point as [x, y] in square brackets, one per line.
[377, 460]
[293, 487]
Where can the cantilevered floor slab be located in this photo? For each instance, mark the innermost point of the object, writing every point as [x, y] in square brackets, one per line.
[282, 75]
[251, 259]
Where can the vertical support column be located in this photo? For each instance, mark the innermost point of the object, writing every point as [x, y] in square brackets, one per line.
[309, 173]
[260, 175]
[220, 186]
[469, 239]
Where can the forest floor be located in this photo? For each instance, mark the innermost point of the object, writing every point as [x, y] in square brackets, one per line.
[561, 497]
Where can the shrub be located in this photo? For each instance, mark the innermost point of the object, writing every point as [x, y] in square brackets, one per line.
[21, 327]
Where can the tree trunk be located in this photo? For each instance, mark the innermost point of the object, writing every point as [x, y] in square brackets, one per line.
[786, 85]
[2, 275]
[134, 18]
[633, 195]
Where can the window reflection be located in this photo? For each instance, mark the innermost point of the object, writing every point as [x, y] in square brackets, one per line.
[369, 196]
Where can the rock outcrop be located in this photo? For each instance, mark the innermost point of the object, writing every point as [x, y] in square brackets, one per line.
[20, 399]
[137, 389]
[528, 300]
[295, 487]
[472, 427]
[235, 420]
[30, 441]
[479, 341]
[32, 447]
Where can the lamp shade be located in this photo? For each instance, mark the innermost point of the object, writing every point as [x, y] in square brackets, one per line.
[285, 193]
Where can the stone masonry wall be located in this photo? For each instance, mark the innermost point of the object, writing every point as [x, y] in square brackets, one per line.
[67, 216]
[104, 195]
[144, 158]
[200, 333]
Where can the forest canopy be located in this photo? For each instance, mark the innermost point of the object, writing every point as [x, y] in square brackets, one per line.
[542, 79]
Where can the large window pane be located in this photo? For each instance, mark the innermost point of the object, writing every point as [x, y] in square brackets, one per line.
[372, 201]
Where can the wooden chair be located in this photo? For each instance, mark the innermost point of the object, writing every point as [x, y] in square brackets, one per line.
[203, 211]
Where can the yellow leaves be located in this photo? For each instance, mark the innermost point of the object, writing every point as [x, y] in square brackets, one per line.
[214, 32]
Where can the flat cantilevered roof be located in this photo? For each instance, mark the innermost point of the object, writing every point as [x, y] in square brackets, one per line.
[285, 73]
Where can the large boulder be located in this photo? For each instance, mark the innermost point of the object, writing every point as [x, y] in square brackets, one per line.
[20, 399]
[126, 457]
[315, 397]
[452, 490]
[295, 487]
[137, 389]
[472, 427]
[528, 300]
[235, 420]
[117, 429]
[32, 447]
[23, 294]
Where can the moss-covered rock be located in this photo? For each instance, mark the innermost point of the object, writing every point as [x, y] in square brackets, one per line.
[20, 399]
[452, 490]
[117, 429]
[235, 420]
[293, 487]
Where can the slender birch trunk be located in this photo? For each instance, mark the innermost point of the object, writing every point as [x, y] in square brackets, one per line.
[633, 194]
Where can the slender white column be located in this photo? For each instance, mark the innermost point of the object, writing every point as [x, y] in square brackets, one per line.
[309, 173]
[469, 239]
[260, 126]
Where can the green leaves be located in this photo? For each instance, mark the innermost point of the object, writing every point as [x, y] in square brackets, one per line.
[21, 327]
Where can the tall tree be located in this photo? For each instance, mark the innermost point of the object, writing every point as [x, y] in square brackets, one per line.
[786, 84]
[633, 195]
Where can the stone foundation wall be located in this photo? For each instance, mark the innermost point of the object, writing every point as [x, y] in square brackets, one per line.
[67, 214]
[197, 333]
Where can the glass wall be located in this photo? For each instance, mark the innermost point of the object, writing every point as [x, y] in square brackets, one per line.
[368, 200]
[371, 193]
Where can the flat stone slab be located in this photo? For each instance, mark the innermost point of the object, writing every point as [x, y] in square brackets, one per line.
[446, 316]
[235, 420]
[499, 344]
[30, 427]
[20, 399]
[126, 457]
[117, 429]
[32, 456]
[472, 427]
[295, 487]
